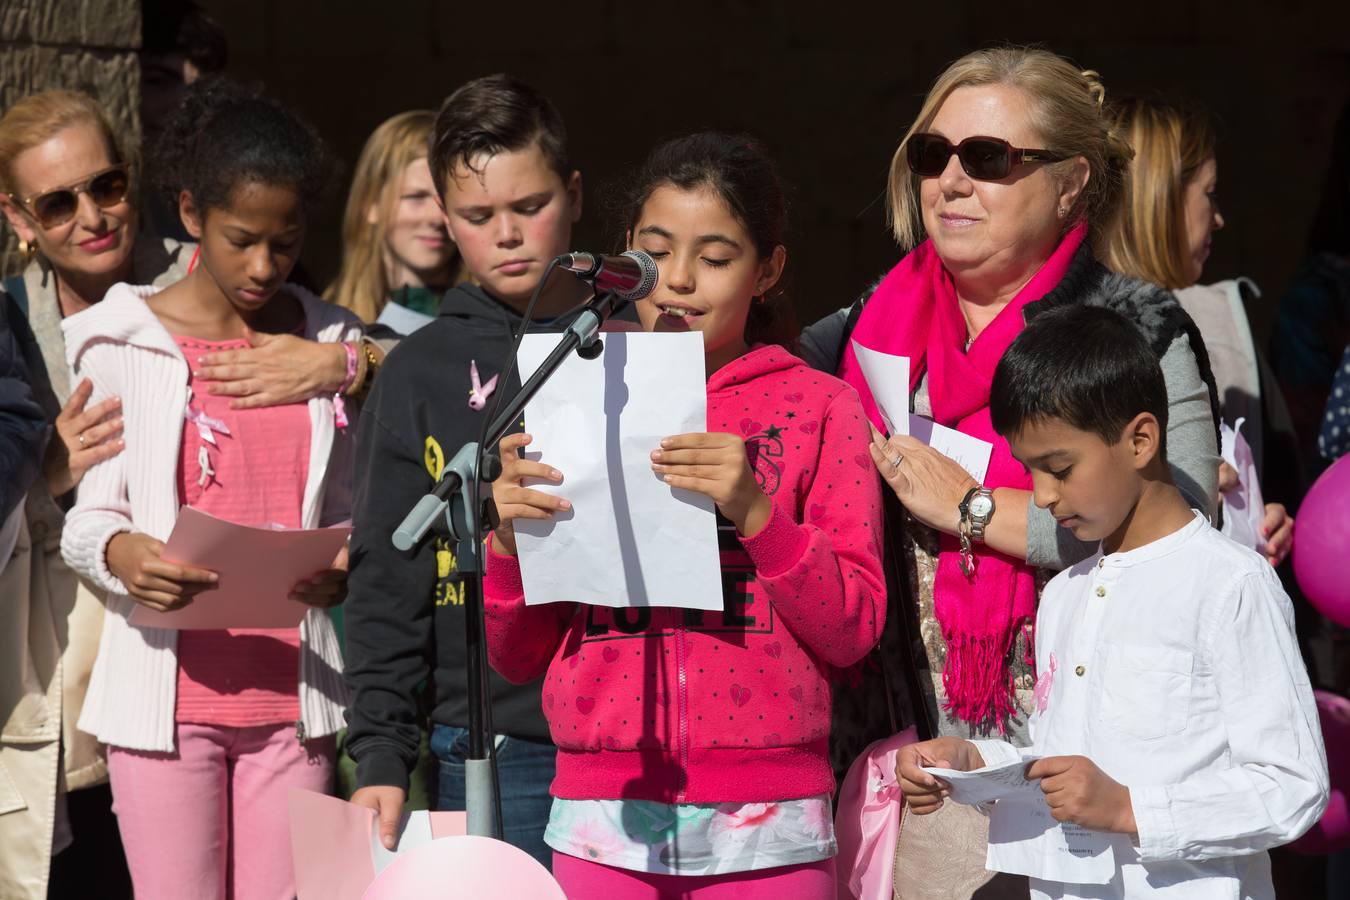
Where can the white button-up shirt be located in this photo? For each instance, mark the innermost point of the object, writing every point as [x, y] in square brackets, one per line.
[1175, 669]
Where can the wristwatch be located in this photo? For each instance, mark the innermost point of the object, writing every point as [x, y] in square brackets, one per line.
[976, 509]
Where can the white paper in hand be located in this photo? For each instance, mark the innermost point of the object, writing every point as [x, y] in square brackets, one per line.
[1244, 510]
[1026, 839]
[629, 539]
[971, 453]
[999, 782]
[887, 377]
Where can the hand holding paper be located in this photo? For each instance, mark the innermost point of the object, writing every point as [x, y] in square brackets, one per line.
[250, 573]
[336, 851]
[516, 501]
[137, 560]
[1077, 791]
[715, 465]
[626, 537]
[915, 772]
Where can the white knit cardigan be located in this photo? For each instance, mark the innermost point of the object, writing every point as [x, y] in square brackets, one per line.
[123, 349]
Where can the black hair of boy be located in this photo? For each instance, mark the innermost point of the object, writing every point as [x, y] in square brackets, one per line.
[491, 115]
[224, 135]
[1087, 366]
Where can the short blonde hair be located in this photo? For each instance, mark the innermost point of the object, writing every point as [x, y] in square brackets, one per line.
[362, 285]
[1066, 113]
[1171, 143]
[38, 118]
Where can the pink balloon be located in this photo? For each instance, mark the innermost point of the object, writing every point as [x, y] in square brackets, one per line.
[464, 868]
[1332, 832]
[1322, 543]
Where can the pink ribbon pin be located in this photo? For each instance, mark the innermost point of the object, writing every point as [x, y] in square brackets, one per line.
[479, 393]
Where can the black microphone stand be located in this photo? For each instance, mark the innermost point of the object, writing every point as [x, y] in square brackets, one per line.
[457, 507]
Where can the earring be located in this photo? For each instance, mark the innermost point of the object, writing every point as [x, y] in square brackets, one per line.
[26, 250]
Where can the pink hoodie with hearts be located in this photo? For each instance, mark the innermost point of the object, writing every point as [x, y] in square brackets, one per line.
[682, 706]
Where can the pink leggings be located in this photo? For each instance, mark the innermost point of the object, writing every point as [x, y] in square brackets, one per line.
[209, 821]
[585, 880]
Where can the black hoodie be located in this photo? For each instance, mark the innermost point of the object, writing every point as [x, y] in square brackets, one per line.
[404, 612]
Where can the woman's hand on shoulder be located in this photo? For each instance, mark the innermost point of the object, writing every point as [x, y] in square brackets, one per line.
[86, 437]
[277, 369]
[715, 464]
[929, 484]
[136, 560]
[516, 501]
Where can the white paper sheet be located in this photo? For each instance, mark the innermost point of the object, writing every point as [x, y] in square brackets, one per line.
[629, 539]
[970, 452]
[1025, 839]
[1000, 782]
[887, 376]
[1243, 507]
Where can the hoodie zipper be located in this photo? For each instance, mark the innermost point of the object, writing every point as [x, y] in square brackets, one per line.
[682, 711]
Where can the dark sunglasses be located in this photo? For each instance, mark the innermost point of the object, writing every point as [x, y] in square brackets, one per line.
[982, 158]
[57, 207]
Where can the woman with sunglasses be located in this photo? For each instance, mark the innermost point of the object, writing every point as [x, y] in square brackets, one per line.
[66, 190]
[999, 193]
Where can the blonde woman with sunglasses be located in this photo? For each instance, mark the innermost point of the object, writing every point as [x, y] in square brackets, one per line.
[1000, 193]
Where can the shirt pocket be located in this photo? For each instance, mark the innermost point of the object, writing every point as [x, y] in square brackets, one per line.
[1146, 691]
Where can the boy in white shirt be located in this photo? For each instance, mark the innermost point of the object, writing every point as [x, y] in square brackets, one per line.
[1173, 709]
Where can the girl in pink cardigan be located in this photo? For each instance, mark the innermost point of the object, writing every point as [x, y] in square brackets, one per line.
[692, 746]
[207, 730]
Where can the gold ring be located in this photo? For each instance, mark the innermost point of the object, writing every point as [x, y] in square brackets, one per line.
[81, 437]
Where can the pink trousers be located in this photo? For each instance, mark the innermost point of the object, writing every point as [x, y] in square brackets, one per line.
[209, 821]
[582, 879]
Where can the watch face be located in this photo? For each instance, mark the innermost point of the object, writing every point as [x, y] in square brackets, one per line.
[981, 506]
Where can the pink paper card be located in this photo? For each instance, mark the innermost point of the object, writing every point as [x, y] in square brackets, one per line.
[336, 849]
[257, 569]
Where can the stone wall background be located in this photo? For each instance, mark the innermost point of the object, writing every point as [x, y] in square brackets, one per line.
[88, 45]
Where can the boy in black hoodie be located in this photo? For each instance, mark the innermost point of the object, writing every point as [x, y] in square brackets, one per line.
[498, 157]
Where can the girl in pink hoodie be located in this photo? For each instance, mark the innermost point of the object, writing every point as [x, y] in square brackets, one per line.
[692, 746]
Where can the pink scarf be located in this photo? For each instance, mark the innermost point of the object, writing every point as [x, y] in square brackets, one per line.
[914, 313]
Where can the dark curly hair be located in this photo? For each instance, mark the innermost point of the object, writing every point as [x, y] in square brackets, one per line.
[224, 136]
[737, 167]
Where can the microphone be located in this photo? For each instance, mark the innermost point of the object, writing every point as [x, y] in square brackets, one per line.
[631, 275]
